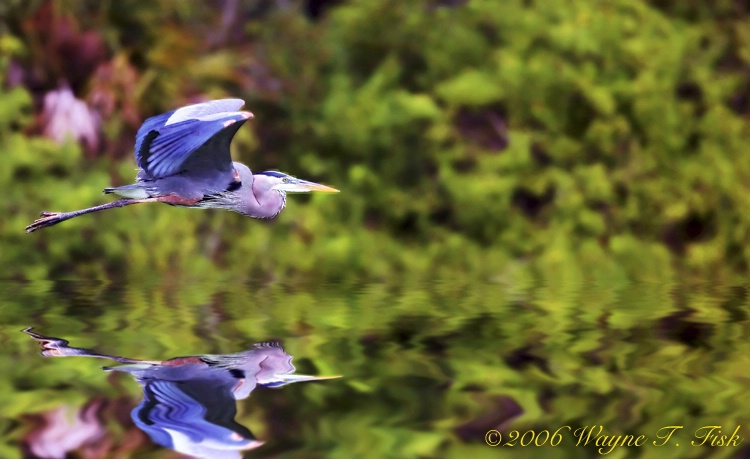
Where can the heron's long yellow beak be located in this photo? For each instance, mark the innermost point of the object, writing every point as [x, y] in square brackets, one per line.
[313, 187]
[294, 185]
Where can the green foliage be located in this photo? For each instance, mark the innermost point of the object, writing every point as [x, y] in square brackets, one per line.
[500, 132]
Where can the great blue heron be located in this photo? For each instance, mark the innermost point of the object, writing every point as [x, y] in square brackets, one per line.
[189, 402]
[184, 160]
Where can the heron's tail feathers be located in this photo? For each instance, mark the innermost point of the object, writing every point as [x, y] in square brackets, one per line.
[135, 191]
[129, 367]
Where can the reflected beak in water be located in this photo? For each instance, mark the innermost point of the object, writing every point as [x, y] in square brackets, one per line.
[286, 379]
[291, 378]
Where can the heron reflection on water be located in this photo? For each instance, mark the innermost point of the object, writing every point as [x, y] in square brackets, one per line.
[184, 160]
[189, 402]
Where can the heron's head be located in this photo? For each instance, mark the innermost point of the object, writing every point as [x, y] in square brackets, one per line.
[266, 197]
[284, 183]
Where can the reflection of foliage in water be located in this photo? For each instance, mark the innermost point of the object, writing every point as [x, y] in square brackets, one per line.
[428, 367]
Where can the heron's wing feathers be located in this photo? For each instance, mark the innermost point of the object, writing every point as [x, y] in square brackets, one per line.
[174, 143]
[204, 109]
[165, 142]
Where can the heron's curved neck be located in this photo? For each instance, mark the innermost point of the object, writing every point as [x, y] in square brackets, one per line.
[269, 203]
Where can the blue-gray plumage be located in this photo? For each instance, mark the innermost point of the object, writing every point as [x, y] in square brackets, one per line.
[184, 160]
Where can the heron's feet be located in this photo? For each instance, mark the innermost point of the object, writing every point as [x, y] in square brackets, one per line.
[47, 219]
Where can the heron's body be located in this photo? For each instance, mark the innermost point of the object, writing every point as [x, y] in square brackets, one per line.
[184, 160]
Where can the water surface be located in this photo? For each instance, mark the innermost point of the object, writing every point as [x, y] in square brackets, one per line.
[428, 369]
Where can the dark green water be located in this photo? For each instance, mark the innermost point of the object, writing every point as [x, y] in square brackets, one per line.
[428, 370]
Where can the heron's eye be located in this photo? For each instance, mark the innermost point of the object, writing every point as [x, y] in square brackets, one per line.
[285, 180]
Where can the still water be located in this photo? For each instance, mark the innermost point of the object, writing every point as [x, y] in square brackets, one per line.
[517, 368]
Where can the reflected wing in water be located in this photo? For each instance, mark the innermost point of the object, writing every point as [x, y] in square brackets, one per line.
[194, 417]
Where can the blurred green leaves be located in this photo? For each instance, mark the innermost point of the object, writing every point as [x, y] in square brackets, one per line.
[509, 128]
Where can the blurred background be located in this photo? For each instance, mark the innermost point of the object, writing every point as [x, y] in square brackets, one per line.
[542, 219]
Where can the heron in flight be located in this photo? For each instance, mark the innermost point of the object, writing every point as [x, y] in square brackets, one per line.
[184, 160]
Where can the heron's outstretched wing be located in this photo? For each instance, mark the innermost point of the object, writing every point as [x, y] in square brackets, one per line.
[165, 142]
[194, 417]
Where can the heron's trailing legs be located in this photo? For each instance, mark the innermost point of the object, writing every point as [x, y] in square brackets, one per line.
[49, 219]
[53, 346]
